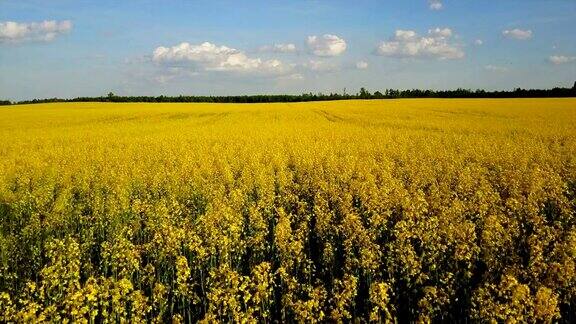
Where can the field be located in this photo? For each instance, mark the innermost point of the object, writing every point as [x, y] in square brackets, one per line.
[381, 210]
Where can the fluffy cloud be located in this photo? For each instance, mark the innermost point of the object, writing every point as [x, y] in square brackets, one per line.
[361, 65]
[478, 42]
[210, 57]
[320, 66]
[440, 32]
[561, 59]
[326, 45]
[292, 77]
[518, 34]
[407, 43]
[47, 30]
[435, 4]
[279, 48]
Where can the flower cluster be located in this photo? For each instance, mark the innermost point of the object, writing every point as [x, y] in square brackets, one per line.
[379, 211]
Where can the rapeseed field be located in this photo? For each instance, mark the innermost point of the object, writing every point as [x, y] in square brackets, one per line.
[372, 211]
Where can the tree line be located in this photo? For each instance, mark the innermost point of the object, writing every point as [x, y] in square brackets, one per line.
[362, 94]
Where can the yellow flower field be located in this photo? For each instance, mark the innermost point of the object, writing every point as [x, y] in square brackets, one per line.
[380, 210]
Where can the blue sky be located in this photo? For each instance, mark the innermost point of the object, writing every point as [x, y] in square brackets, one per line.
[69, 48]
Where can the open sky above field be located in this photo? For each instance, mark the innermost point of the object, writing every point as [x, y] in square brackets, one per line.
[68, 48]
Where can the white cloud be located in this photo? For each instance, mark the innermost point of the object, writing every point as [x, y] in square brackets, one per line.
[440, 32]
[518, 34]
[279, 48]
[210, 57]
[407, 43]
[361, 65]
[292, 77]
[435, 4]
[47, 30]
[495, 68]
[164, 78]
[320, 66]
[326, 45]
[561, 59]
[478, 42]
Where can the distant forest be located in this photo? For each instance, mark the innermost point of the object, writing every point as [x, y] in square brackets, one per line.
[362, 94]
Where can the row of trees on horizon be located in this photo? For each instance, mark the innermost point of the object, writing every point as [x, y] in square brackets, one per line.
[362, 94]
